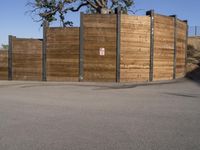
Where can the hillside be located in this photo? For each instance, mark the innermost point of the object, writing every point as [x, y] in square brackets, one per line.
[193, 66]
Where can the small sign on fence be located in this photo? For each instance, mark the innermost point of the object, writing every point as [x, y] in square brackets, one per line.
[102, 51]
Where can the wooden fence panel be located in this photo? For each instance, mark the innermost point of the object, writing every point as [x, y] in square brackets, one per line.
[163, 47]
[62, 54]
[26, 59]
[3, 65]
[135, 48]
[181, 48]
[99, 32]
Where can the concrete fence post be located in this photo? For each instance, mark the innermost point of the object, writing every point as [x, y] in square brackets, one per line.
[44, 47]
[151, 71]
[81, 50]
[10, 58]
[118, 40]
[186, 45]
[175, 45]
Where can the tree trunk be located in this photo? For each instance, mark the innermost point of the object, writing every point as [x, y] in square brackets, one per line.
[105, 11]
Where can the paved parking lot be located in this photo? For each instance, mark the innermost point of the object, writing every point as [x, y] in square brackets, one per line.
[94, 116]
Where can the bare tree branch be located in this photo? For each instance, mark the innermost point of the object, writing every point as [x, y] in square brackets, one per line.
[51, 10]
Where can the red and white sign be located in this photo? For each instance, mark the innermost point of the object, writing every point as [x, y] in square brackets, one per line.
[102, 51]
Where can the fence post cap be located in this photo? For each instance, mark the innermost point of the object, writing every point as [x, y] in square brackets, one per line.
[174, 16]
[186, 21]
[150, 12]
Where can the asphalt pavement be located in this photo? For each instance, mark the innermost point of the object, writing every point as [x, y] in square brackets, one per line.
[99, 116]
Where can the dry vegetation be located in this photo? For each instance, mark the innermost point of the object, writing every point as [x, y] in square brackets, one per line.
[193, 67]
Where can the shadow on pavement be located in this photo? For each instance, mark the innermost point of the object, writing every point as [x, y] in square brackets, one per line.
[182, 95]
[194, 75]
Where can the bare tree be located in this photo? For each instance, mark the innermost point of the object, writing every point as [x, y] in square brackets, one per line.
[52, 10]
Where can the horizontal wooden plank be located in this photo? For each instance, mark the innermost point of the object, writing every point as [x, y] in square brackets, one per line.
[27, 59]
[135, 48]
[62, 54]
[99, 32]
[59, 78]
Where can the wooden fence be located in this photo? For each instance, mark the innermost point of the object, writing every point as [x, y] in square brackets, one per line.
[181, 53]
[25, 59]
[163, 47]
[3, 65]
[99, 33]
[150, 47]
[106, 48]
[62, 54]
[135, 48]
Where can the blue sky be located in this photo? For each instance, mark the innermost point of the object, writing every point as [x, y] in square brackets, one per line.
[15, 22]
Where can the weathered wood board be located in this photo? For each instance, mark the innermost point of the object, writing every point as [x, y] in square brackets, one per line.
[62, 54]
[99, 32]
[26, 59]
[181, 49]
[135, 48]
[163, 47]
[3, 65]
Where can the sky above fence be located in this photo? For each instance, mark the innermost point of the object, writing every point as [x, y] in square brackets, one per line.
[15, 22]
